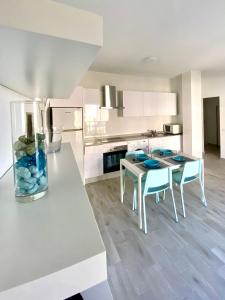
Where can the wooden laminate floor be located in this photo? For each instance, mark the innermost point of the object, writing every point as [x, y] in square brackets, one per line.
[174, 261]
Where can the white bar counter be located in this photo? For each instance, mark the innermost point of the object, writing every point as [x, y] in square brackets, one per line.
[50, 248]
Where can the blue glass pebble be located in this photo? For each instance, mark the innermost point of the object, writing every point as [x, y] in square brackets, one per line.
[30, 167]
[38, 174]
[32, 180]
[26, 161]
[33, 170]
[33, 189]
[22, 172]
[22, 191]
[41, 160]
[24, 185]
[42, 180]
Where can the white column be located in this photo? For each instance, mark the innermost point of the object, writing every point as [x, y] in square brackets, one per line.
[192, 113]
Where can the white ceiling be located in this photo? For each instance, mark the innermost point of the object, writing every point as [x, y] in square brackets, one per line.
[183, 34]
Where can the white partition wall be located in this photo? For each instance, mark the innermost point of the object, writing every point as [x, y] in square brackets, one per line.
[192, 113]
[213, 85]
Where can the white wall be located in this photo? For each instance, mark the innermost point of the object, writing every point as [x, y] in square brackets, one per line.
[119, 125]
[6, 96]
[213, 85]
[176, 87]
[188, 86]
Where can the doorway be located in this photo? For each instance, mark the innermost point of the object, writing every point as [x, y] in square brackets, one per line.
[211, 114]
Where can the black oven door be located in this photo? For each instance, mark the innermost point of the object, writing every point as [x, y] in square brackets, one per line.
[111, 160]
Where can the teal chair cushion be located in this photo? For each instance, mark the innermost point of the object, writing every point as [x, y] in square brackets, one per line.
[158, 188]
[178, 175]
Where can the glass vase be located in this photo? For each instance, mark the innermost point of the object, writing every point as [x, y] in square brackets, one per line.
[29, 151]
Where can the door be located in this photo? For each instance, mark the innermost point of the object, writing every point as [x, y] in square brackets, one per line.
[211, 113]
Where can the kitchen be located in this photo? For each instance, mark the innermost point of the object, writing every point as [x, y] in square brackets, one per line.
[130, 206]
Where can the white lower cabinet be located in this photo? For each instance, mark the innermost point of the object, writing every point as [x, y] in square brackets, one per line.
[173, 142]
[138, 144]
[93, 161]
[93, 158]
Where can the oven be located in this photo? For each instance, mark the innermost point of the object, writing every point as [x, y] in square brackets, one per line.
[111, 159]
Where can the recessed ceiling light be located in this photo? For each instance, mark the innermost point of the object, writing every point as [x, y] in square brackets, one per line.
[150, 59]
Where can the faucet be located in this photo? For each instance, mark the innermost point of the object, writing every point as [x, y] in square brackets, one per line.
[152, 132]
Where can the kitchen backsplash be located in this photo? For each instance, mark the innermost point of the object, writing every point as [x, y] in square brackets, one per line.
[118, 125]
[110, 123]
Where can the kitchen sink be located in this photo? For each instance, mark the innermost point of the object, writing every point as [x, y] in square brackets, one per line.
[154, 134]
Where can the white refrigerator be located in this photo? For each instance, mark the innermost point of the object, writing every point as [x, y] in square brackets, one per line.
[70, 119]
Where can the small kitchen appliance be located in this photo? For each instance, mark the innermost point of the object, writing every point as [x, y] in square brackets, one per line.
[172, 128]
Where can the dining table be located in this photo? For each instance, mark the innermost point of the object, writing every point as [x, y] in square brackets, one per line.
[138, 168]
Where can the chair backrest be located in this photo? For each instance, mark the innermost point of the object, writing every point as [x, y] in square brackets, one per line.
[157, 178]
[155, 150]
[191, 169]
[133, 153]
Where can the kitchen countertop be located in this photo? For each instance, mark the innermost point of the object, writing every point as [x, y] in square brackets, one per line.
[93, 141]
[50, 248]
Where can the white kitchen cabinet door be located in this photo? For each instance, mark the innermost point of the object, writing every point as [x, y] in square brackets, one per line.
[172, 142]
[92, 111]
[152, 103]
[133, 104]
[172, 102]
[159, 104]
[167, 104]
[93, 161]
[138, 144]
[155, 143]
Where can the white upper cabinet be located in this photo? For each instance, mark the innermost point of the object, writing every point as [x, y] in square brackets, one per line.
[149, 104]
[133, 104]
[172, 99]
[92, 111]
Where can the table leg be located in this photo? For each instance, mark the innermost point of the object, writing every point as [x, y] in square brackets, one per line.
[203, 174]
[140, 201]
[121, 182]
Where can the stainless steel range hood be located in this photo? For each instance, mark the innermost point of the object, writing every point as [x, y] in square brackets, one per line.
[109, 97]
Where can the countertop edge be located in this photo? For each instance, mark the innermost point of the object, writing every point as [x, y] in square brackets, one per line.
[125, 139]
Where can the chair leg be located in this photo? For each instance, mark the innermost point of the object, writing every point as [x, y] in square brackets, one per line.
[144, 216]
[124, 184]
[134, 206]
[174, 205]
[157, 199]
[163, 196]
[203, 193]
[182, 200]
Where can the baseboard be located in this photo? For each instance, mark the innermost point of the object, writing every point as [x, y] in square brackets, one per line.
[103, 177]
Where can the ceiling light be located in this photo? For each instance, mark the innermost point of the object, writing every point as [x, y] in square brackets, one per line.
[150, 59]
